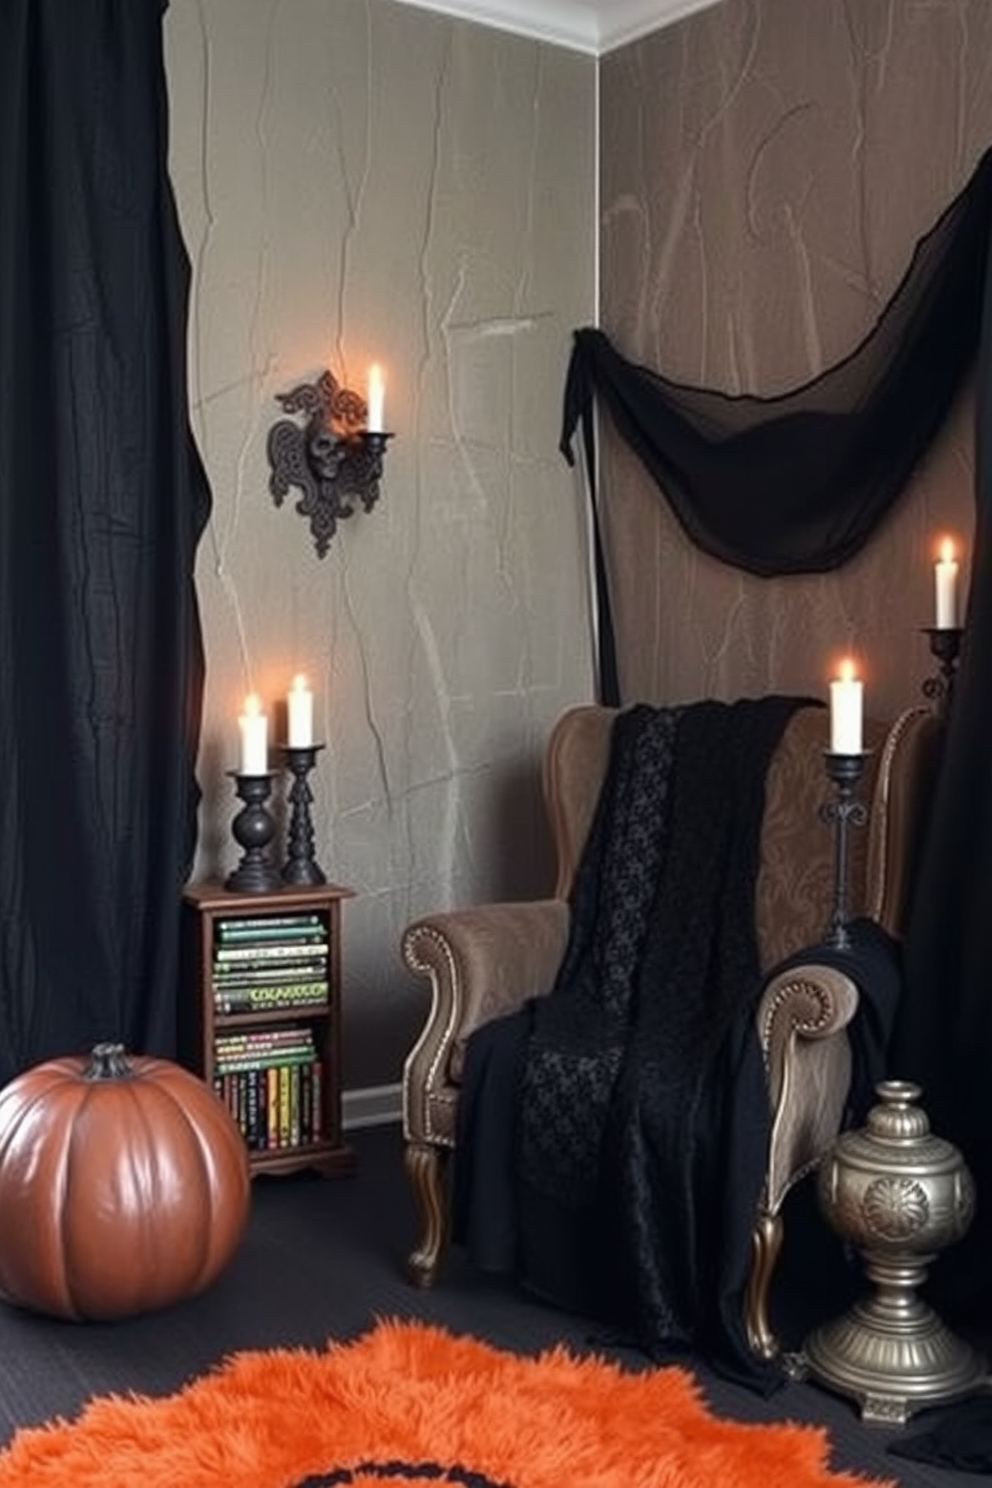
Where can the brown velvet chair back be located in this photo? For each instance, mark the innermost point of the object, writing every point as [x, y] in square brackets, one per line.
[795, 882]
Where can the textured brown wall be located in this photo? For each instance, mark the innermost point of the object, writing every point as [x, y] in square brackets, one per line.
[767, 167]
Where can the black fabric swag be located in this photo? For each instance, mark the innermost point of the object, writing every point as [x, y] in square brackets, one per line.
[798, 483]
[102, 502]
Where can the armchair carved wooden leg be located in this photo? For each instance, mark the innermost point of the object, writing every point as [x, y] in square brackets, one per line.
[766, 1243]
[425, 1166]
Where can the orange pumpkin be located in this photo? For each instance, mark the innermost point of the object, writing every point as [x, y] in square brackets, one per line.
[124, 1185]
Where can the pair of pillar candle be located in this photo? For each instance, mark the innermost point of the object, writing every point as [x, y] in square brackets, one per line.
[254, 727]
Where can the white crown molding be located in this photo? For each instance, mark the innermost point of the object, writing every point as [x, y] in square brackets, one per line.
[621, 21]
[593, 26]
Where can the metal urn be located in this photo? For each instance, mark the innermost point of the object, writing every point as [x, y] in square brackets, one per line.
[900, 1195]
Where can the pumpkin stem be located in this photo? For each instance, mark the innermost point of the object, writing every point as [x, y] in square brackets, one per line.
[108, 1062]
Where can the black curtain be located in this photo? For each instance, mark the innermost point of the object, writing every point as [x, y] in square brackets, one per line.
[798, 483]
[102, 502]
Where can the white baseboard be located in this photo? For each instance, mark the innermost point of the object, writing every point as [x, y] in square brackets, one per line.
[374, 1105]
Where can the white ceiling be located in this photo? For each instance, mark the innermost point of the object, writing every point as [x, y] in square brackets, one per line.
[594, 26]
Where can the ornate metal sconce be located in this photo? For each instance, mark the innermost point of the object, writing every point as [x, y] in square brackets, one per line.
[333, 458]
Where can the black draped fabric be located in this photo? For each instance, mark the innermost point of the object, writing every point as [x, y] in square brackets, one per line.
[944, 1038]
[102, 501]
[612, 1136]
[797, 483]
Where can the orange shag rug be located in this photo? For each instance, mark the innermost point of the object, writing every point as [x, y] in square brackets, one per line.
[409, 1404]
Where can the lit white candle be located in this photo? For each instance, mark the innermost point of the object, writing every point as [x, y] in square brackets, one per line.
[254, 737]
[299, 710]
[375, 419]
[945, 572]
[846, 705]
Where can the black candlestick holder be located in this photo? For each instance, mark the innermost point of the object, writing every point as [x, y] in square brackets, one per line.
[301, 867]
[842, 812]
[253, 829]
[945, 644]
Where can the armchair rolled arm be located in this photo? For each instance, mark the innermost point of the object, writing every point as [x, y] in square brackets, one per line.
[801, 1023]
[480, 962]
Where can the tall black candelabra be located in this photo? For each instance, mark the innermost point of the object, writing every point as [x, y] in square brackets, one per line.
[842, 811]
[945, 644]
[253, 829]
[301, 867]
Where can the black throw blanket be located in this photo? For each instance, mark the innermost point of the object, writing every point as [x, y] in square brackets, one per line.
[613, 1135]
[595, 1125]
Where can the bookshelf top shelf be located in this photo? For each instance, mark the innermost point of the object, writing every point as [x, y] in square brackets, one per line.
[213, 897]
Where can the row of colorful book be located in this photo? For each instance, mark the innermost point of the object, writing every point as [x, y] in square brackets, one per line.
[263, 963]
[271, 1082]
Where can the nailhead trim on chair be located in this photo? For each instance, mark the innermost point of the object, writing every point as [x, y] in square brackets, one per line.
[824, 1013]
[787, 990]
[883, 788]
[415, 964]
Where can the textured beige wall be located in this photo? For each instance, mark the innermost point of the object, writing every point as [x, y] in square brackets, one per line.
[356, 181]
[767, 167]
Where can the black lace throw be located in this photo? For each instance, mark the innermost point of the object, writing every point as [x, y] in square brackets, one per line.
[612, 1135]
[797, 483]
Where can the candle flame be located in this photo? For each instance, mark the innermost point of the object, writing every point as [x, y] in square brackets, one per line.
[947, 554]
[253, 705]
[299, 682]
[846, 671]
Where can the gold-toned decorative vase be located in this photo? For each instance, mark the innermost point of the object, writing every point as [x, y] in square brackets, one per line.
[900, 1194]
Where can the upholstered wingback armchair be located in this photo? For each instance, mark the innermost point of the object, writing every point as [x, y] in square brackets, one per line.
[486, 961]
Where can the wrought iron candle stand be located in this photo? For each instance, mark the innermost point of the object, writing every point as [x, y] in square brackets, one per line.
[842, 811]
[301, 867]
[253, 829]
[945, 644]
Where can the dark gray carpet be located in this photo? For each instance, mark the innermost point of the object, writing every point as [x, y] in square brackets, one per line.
[325, 1258]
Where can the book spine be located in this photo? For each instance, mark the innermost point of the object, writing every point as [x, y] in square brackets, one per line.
[284, 1099]
[294, 1105]
[306, 1101]
[240, 1065]
[261, 1046]
[309, 947]
[308, 996]
[269, 937]
[245, 974]
[249, 924]
[317, 1099]
[254, 1115]
[272, 1107]
[264, 1043]
[284, 1003]
[261, 991]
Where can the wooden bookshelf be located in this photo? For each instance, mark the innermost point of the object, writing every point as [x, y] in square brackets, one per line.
[261, 1018]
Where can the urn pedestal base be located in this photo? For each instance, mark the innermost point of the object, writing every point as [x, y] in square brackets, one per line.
[900, 1195]
[892, 1354]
